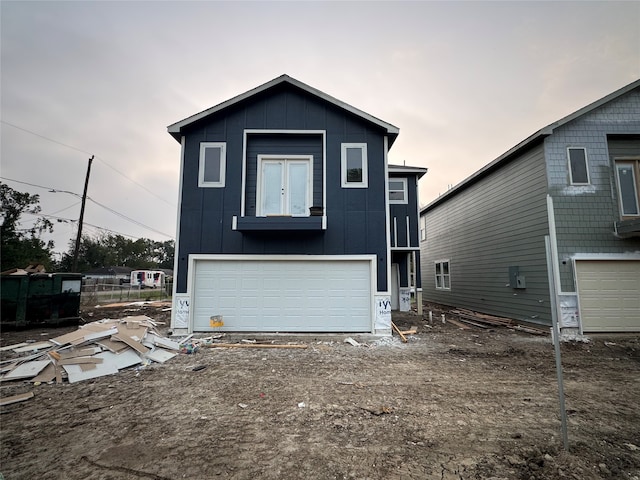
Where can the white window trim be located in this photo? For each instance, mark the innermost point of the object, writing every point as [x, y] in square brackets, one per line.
[442, 287]
[261, 158]
[343, 163]
[405, 190]
[618, 162]
[586, 163]
[223, 164]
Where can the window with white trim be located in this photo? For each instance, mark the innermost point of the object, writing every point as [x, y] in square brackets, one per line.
[423, 228]
[443, 279]
[578, 166]
[213, 159]
[397, 190]
[284, 185]
[354, 165]
[628, 180]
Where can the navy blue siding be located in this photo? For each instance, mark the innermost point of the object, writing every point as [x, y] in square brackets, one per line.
[355, 217]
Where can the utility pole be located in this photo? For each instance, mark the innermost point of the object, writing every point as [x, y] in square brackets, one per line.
[74, 267]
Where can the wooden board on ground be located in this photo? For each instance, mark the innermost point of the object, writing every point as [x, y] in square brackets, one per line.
[21, 397]
[45, 376]
[397, 330]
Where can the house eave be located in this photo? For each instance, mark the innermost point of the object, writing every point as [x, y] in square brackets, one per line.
[404, 169]
[175, 129]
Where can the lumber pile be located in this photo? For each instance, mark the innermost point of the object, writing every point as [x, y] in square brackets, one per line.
[485, 321]
[93, 350]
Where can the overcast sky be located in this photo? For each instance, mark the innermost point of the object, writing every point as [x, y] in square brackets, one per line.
[463, 81]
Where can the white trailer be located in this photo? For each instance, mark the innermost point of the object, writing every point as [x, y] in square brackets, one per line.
[147, 278]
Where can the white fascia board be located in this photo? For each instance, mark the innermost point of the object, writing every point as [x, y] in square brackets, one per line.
[279, 257]
[405, 249]
[420, 171]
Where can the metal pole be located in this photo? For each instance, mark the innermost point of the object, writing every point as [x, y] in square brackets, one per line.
[76, 251]
[556, 341]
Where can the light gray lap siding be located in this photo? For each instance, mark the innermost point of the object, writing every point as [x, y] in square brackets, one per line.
[585, 215]
[498, 222]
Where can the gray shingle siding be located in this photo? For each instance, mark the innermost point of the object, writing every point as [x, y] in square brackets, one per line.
[585, 214]
[498, 222]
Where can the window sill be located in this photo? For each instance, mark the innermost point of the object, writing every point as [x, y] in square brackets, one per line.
[270, 224]
[628, 228]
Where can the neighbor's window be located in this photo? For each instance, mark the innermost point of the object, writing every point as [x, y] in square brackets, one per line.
[397, 190]
[628, 178]
[443, 281]
[354, 165]
[578, 166]
[423, 228]
[212, 164]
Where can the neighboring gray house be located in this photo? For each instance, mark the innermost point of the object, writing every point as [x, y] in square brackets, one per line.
[284, 218]
[576, 181]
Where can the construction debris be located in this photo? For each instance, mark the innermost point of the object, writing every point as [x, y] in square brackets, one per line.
[16, 398]
[253, 345]
[485, 321]
[404, 339]
[94, 350]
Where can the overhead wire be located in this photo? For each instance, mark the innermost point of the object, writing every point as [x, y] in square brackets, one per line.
[115, 212]
[102, 160]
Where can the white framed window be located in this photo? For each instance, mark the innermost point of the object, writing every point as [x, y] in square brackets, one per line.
[398, 190]
[578, 166]
[284, 185]
[443, 278]
[628, 180]
[354, 165]
[213, 160]
[423, 228]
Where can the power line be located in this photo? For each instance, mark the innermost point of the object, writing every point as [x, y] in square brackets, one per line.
[115, 212]
[97, 158]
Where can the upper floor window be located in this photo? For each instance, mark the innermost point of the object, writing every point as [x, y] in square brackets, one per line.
[284, 185]
[443, 279]
[628, 179]
[578, 166]
[354, 165]
[213, 159]
[423, 228]
[397, 190]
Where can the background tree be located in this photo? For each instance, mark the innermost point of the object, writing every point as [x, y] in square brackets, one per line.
[21, 244]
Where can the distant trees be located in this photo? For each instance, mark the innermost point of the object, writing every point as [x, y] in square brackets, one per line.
[20, 242]
[115, 250]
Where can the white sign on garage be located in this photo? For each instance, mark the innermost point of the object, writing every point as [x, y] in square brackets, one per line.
[608, 294]
[285, 293]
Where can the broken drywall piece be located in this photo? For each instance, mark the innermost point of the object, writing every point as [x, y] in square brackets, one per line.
[139, 347]
[45, 376]
[124, 359]
[76, 374]
[161, 342]
[26, 370]
[160, 355]
[33, 347]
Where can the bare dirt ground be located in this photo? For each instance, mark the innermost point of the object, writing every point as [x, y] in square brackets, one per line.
[449, 404]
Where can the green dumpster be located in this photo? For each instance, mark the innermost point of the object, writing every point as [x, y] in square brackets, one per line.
[40, 299]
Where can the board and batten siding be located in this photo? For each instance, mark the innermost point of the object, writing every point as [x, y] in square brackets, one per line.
[356, 217]
[585, 214]
[498, 222]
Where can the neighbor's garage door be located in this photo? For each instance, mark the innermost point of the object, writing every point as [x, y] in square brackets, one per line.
[609, 295]
[283, 296]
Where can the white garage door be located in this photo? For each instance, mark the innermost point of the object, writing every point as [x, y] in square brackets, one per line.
[609, 295]
[283, 295]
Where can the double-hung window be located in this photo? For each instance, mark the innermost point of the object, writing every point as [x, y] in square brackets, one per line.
[628, 179]
[578, 166]
[443, 280]
[354, 165]
[212, 164]
[397, 190]
[284, 185]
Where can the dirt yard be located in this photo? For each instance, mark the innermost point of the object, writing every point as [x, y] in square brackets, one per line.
[449, 404]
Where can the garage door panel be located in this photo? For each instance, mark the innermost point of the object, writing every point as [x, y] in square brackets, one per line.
[262, 295]
[609, 295]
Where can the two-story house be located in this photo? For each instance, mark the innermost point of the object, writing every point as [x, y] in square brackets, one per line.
[284, 216]
[575, 182]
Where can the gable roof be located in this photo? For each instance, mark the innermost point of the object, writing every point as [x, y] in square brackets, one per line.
[527, 143]
[176, 129]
